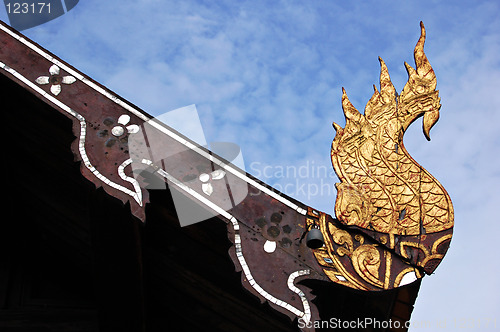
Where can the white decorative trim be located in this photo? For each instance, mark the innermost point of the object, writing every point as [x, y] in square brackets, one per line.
[138, 193]
[306, 314]
[248, 274]
[307, 309]
[155, 123]
[83, 132]
[189, 190]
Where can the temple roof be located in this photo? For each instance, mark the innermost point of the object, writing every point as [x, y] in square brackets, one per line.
[81, 258]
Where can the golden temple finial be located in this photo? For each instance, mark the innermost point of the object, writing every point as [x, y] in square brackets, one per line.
[384, 192]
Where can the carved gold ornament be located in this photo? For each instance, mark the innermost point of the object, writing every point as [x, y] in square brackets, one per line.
[384, 193]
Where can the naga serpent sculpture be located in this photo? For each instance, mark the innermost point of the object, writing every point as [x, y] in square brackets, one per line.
[384, 193]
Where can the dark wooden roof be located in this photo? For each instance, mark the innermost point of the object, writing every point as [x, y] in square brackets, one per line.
[75, 259]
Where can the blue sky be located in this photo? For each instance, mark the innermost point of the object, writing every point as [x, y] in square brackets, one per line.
[267, 75]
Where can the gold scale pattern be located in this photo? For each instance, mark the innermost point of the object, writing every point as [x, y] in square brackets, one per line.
[383, 189]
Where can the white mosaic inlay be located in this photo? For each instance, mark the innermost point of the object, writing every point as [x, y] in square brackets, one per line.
[55, 80]
[206, 186]
[270, 246]
[136, 193]
[123, 120]
[306, 314]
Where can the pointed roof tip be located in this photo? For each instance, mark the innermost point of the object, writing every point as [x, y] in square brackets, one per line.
[343, 91]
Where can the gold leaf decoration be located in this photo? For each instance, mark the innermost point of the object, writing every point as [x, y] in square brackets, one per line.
[379, 178]
[395, 220]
